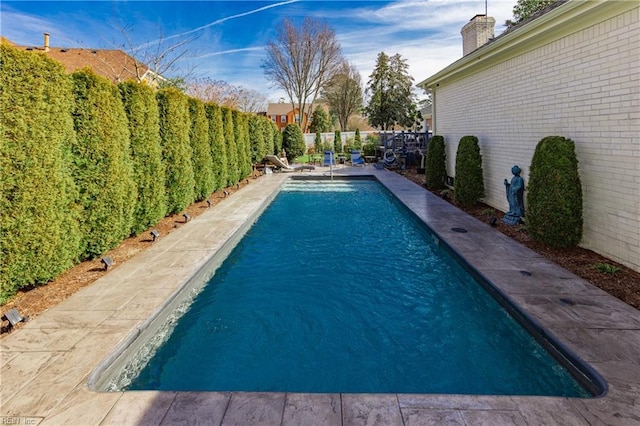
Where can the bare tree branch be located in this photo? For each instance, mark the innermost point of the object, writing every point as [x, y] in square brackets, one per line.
[300, 61]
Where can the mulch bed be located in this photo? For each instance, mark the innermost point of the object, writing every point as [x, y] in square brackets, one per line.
[623, 284]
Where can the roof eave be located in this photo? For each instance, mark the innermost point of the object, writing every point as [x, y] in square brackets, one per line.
[562, 19]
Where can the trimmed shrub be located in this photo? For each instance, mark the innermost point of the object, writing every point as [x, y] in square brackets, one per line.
[357, 140]
[468, 184]
[39, 235]
[102, 167]
[317, 143]
[435, 168]
[173, 110]
[554, 196]
[241, 135]
[201, 158]
[293, 141]
[233, 173]
[277, 139]
[256, 138]
[217, 145]
[269, 129]
[337, 142]
[146, 154]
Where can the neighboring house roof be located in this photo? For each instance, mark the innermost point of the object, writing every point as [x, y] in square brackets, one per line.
[113, 64]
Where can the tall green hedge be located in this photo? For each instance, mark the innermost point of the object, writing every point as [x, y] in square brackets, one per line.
[256, 138]
[269, 129]
[242, 143]
[233, 172]
[468, 184]
[173, 109]
[202, 161]
[39, 235]
[246, 143]
[293, 141]
[554, 196]
[277, 139]
[217, 145]
[435, 164]
[146, 154]
[102, 167]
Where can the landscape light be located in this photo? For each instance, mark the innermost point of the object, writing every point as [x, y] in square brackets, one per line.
[107, 262]
[155, 234]
[186, 217]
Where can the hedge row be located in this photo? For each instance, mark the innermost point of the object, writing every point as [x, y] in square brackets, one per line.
[85, 163]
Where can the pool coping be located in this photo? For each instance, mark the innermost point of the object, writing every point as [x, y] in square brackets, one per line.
[46, 364]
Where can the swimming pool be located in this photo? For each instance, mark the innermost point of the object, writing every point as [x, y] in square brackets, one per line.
[371, 305]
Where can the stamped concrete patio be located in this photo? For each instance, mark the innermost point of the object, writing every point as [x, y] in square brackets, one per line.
[45, 365]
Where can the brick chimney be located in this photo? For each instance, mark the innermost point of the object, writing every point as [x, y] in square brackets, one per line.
[46, 42]
[477, 32]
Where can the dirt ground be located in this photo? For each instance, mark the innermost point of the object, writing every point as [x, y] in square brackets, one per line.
[623, 284]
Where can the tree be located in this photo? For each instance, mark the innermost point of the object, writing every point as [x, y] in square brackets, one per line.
[357, 140]
[217, 144]
[102, 167]
[343, 93]
[319, 121]
[301, 60]
[525, 9]
[146, 153]
[233, 171]
[390, 88]
[159, 56]
[225, 94]
[468, 186]
[435, 163]
[175, 122]
[337, 141]
[554, 199]
[293, 141]
[201, 150]
[39, 232]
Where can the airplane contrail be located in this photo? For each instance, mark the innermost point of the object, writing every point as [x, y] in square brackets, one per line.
[219, 21]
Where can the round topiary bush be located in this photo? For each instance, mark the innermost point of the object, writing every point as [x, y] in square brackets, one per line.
[554, 197]
[469, 184]
[435, 168]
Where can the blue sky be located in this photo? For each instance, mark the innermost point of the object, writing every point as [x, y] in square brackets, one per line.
[231, 35]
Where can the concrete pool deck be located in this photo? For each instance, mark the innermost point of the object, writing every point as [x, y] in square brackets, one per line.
[46, 364]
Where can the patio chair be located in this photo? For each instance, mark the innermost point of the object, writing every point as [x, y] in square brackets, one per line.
[329, 159]
[357, 159]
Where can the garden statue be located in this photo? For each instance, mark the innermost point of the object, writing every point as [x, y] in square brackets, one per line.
[515, 190]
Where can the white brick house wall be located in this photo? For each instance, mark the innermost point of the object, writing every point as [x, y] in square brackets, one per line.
[583, 84]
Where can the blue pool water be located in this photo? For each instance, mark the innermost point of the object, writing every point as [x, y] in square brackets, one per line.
[337, 288]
